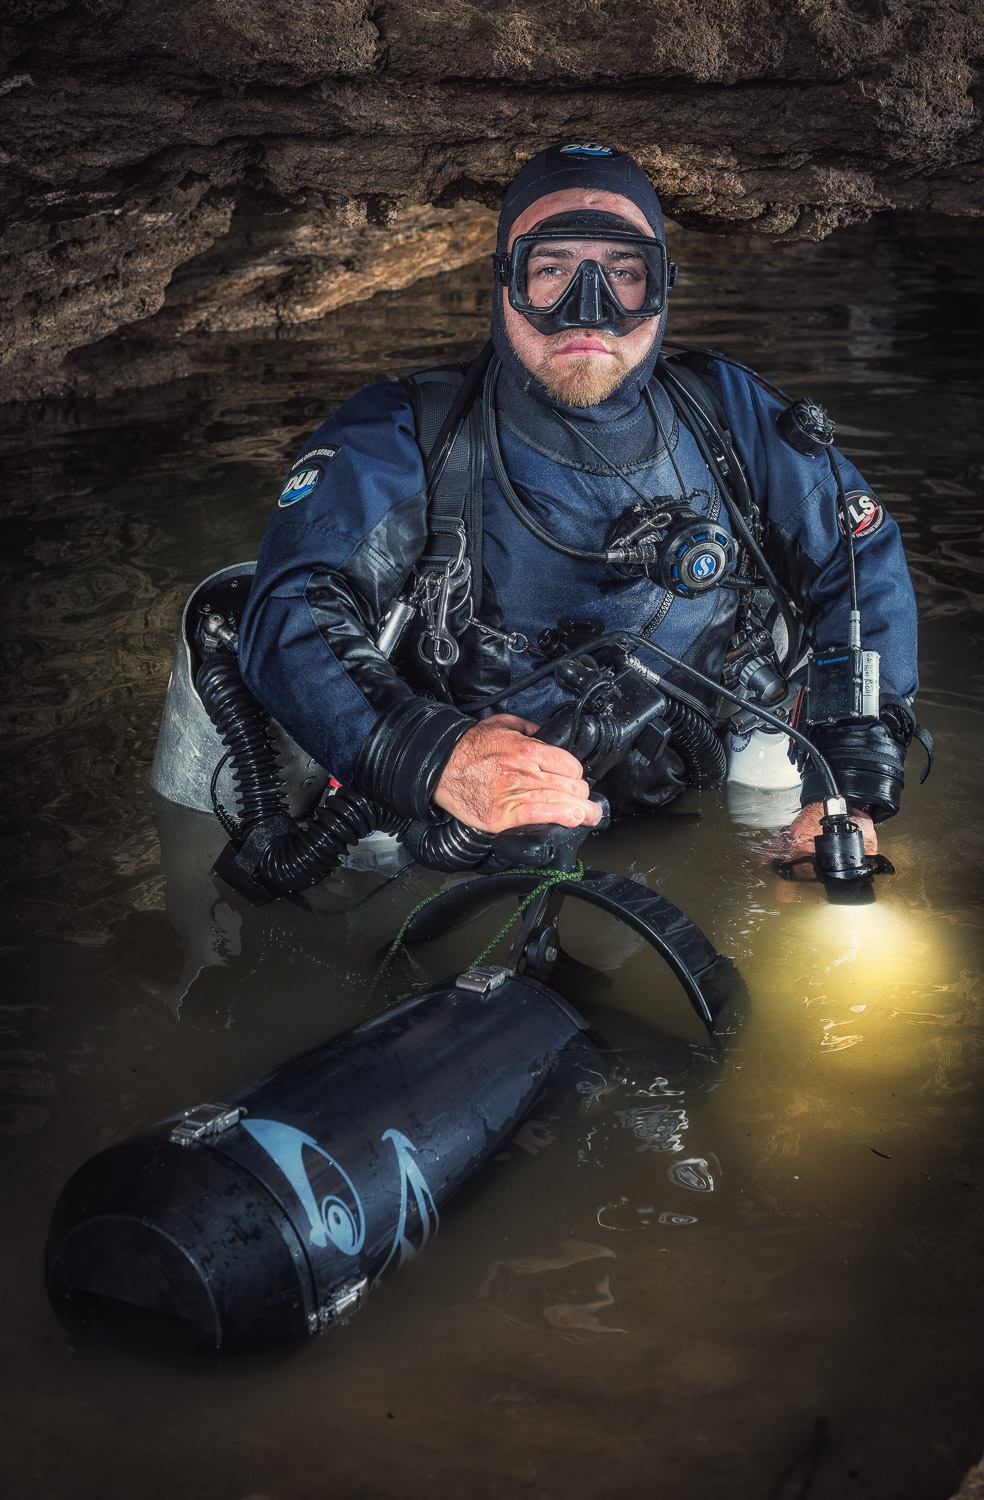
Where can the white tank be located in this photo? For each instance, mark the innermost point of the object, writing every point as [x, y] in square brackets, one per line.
[758, 758]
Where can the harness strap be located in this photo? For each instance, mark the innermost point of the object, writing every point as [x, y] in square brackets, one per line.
[695, 385]
[727, 471]
[449, 433]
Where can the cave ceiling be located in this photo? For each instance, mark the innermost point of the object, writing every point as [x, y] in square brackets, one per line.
[178, 168]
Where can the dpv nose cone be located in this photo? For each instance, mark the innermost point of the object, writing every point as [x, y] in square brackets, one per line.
[159, 1228]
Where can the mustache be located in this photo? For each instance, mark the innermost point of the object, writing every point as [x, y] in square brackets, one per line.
[568, 335]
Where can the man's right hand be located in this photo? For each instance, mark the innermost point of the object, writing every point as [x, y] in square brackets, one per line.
[498, 777]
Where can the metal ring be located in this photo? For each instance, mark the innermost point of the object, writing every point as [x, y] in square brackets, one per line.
[443, 651]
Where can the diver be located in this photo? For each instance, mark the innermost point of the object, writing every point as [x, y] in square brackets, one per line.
[438, 540]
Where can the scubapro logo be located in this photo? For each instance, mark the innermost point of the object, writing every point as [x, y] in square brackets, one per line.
[704, 566]
[867, 515]
[300, 484]
[586, 148]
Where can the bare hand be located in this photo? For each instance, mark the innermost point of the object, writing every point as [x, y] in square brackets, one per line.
[798, 839]
[498, 778]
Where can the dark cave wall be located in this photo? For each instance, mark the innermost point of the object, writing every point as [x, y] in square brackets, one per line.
[172, 169]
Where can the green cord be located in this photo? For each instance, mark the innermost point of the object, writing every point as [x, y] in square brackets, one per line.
[556, 877]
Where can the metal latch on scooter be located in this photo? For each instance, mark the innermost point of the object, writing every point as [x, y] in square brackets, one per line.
[483, 978]
[341, 1306]
[204, 1122]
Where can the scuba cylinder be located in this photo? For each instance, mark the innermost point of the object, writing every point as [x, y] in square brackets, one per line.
[274, 1213]
[190, 765]
[219, 750]
[757, 752]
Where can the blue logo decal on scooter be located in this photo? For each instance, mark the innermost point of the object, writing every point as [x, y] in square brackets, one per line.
[411, 1180]
[339, 1216]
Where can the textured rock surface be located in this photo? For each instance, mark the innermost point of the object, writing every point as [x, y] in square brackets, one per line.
[232, 163]
[973, 1485]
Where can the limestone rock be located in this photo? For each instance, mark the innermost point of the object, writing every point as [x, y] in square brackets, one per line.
[231, 163]
[973, 1485]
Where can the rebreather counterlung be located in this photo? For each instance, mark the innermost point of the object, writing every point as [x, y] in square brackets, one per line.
[273, 1212]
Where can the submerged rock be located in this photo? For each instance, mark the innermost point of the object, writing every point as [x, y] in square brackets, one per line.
[242, 163]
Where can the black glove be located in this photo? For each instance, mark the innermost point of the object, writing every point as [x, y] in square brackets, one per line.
[867, 759]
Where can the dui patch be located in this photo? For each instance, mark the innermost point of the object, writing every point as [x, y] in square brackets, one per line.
[306, 475]
[866, 513]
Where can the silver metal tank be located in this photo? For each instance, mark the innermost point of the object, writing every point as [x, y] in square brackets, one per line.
[188, 746]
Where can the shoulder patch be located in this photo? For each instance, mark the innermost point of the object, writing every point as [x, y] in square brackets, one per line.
[306, 475]
[866, 513]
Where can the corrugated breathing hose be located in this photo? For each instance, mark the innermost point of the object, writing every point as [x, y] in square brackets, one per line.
[294, 857]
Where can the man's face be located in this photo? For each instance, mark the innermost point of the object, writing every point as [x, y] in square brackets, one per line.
[582, 367]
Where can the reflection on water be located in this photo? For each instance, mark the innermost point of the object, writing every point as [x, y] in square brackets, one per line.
[675, 1281]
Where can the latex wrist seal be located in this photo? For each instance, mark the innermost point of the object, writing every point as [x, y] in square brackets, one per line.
[406, 751]
[867, 761]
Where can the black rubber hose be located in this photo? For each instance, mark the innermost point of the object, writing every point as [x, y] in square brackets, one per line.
[446, 846]
[243, 728]
[303, 856]
[519, 510]
[299, 857]
[695, 741]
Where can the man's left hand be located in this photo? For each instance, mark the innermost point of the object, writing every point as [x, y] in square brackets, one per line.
[799, 838]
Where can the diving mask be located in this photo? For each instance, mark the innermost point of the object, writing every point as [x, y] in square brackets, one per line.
[586, 269]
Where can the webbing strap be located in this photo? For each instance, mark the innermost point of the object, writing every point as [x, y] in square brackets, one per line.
[695, 385]
[907, 721]
[455, 499]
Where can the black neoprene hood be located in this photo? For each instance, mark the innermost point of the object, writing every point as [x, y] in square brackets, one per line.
[578, 166]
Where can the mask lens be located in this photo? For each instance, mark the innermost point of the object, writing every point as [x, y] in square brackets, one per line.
[632, 271]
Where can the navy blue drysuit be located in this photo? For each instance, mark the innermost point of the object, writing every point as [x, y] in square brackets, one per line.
[352, 523]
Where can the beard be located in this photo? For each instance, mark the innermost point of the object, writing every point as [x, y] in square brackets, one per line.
[583, 380]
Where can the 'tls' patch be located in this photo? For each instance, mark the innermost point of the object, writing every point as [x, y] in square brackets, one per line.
[306, 474]
[867, 515]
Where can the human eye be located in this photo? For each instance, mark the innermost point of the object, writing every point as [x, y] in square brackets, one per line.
[626, 270]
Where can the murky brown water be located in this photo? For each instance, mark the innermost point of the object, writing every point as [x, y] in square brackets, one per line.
[756, 1279]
